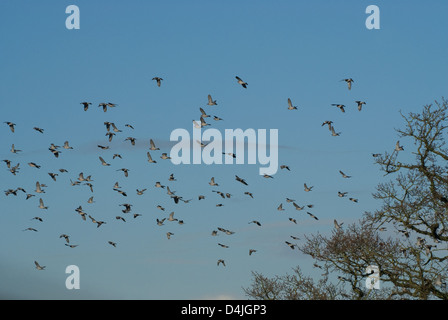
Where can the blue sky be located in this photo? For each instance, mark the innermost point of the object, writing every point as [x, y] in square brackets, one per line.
[284, 49]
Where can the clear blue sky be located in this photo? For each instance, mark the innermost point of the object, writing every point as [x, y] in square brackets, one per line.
[282, 49]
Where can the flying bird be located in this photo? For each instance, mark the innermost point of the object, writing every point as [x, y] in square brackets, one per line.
[306, 188]
[398, 147]
[86, 105]
[11, 125]
[344, 175]
[290, 106]
[212, 182]
[159, 80]
[104, 163]
[153, 145]
[252, 251]
[150, 160]
[211, 102]
[222, 262]
[38, 266]
[312, 215]
[340, 106]
[241, 180]
[360, 103]
[349, 82]
[241, 82]
[292, 246]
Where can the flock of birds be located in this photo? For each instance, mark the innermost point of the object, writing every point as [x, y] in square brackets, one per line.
[112, 131]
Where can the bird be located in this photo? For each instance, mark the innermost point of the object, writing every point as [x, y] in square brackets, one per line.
[223, 245]
[292, 246]
[241, 82]
[39, 188]
[66, 145]
[140, 192]
[252, 251]
[241, 180]
[120, 218]
[398, 147]
[349, 82]
[280, 207]
[312, 215]
[103, 147]
[211, 102]
[66, 237]
[306, 188]
[39, 129]
[293, 220]
[125, 171]
[171, 178]
[353, 199]
[256, 222]
[71, 245]
[159, 80]
[169, 234]
[222, 262]
[344, 175]
[131, 139]
[340, 106]
[342, 194]
[129, 126]
[165, 156]
[360, 103]
[201, 197]
[203, 113]
[38, 266]
[171, 217]
[11, 125]
[290, 106]
[41, 204]
[212, 182]
[283, 166]
[105, 105]
[267, 176]
[153, 145]
[217, 118]
[104, 163]
[124, 194]
[14, 150]
[38, 219]
[160, 222]
[86, 105]
[297, 206]
[112, 243]
[150, 160]
[33, 165]
[249, 194]
[158, 185]
[328, 123]
[30, 229]
[53, 175]
[334, 133]
[337, 225]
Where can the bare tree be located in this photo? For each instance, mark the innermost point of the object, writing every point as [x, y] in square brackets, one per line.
[407, 238]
